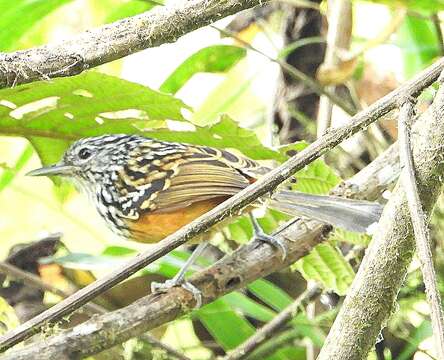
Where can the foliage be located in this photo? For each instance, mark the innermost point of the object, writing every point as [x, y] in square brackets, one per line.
[230, 109]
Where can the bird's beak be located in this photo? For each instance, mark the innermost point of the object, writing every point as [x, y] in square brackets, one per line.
[57, 169]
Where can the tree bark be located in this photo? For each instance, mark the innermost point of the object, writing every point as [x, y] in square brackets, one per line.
[372, 296]
[164, 24]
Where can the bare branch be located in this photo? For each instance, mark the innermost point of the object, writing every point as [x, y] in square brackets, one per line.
[33, 280]
[227, 208]
[370, 300]
[338, 38]
[420, 227]
[113, 41]
[257, 259]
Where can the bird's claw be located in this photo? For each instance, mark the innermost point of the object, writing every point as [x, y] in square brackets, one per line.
[168, 284]
[273, 241]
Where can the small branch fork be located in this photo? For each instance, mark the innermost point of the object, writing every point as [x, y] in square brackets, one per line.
[420, 227]
[228, 208]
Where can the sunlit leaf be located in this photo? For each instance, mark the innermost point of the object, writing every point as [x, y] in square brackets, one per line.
[52, 114]
[315, 178]
[212, 59]
[227, 327]
[270, 294]
[427, 5]
[8, 174]
[419, 42]
[18, 16]
[8, 318]
[131, 8]
[326, 264]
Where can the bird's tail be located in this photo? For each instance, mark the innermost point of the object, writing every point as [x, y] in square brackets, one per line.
[352, 215]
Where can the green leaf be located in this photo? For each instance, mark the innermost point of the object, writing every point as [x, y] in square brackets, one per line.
[421, 333]
[326, 264]
[212, 59]
[315, 178]
[422, 5]
[419, 42]
[131, 8]
[115, 256]
[52, 114]
[226, 133]
[18, 16]
[248, 307]
[350, 237]
[270, 294]
[228, 328]
[8, 318]
[9, 174]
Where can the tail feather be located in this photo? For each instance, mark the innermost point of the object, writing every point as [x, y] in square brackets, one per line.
[352, 215]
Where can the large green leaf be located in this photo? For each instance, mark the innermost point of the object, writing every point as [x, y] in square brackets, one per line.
[326, 264]
[212, 59]
[52, 114]
[419, 42]
[226, 133]
[18, 16]
[248, 307]
[227, 327]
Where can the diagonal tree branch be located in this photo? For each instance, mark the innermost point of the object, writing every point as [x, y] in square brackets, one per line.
[248, 263]
[371, 298]
[33, 280]
[420, 227]
[110, 42]
[227, 208]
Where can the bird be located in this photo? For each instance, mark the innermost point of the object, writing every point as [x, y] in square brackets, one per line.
[147, 189]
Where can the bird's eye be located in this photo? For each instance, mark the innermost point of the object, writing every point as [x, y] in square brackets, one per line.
[84, 153]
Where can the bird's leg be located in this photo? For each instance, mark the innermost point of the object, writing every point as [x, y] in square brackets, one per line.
[179, 278]
[260, 235]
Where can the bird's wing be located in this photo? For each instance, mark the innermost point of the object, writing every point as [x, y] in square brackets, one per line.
[175, 178]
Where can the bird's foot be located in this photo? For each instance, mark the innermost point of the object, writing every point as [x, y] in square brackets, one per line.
[168, 284]
[273, 241]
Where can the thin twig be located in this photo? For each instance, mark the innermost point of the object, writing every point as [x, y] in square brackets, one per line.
[33, 280]
[293, 72]
[228, 207]
[420, 227]
[437, 25]
[270, 328]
